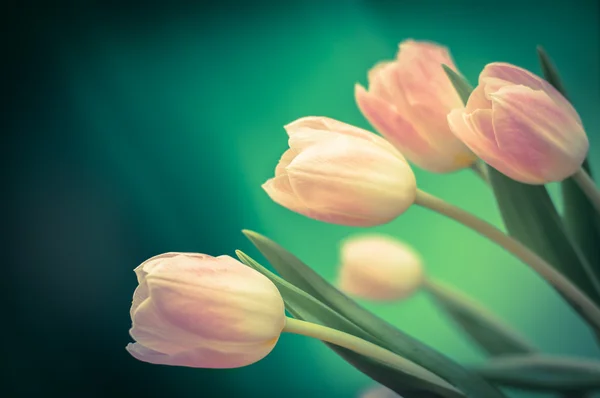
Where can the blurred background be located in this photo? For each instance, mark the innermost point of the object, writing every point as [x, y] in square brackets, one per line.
[131, 129]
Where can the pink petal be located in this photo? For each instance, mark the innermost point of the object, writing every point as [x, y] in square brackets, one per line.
[540, 138]
[392, 125]
[214, 356]
[520, 76]
[217, 300]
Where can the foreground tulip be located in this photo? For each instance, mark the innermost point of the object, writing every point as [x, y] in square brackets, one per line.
[341, 174]
[408, 101]
[200, 311]
[377, 267]
[522, 126]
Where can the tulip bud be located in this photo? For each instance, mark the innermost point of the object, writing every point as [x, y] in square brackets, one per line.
[408, 101]
[521, 126]
[200, 311]
[379, 392]
[341, 174]
[381, 268]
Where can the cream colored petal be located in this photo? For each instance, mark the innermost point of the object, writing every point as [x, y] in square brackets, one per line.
[280, 191]
[348, 177]
[217, 300]
[215, 356]
[378, 267]
[154, 331]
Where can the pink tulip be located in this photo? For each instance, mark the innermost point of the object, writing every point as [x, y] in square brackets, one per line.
[522, 126]
[380, 268]
[341, 174]
[408, 101]
[200, 311]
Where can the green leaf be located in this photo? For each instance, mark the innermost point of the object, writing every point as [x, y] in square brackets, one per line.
[542, 373]
[296, 272]
[580, 218]
[305, 307]
[494, 336]
[461, 85]
[530, 216]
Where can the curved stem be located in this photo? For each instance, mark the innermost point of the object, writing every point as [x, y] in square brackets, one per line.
[363, 347]
[585, 182]
[576, 297]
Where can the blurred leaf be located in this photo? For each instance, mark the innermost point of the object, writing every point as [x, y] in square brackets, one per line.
[542, 373]
[296, 272]
[461, 85]
[305, 307]
[549, 71]
[490, 333]
[580, 218]
[530, 216]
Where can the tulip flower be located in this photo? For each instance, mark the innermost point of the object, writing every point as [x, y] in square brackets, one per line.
[408, 101]
[200, 311]
[521, 126]
[379, 391]
[341, 174]
[377, 267]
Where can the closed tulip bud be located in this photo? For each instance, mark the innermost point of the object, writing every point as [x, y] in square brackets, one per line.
[407, 102]
[341, 174]
[379, 268]
[200, 311]
[521, 125]
[379, 392]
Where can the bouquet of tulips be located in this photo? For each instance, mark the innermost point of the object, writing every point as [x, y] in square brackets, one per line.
[515, 130]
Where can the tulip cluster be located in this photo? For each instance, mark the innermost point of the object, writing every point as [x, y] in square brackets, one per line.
[196, 310]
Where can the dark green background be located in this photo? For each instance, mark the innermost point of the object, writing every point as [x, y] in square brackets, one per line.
[134, 129]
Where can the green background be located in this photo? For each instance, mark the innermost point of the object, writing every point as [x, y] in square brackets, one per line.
[131, 130]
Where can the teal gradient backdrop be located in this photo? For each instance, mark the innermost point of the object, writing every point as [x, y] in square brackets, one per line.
[132, 131]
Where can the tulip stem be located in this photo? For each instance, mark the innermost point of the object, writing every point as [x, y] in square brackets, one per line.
[360, 346]
[579, 300]
[585, 182]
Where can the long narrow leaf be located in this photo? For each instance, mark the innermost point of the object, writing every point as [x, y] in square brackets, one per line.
[542, 373]
[580, 218]
[299, 274]
[406, 382]
[491, 334]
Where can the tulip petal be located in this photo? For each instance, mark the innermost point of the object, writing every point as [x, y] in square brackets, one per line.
[391, 124]
[520, 76]
[346, 181]
[238, 304]
[393, 273]
[478, 100]
[536, 135]
[310, 130]
[285, 160]
[210, 356]
[280, 191]
[154, 331]
[421, 76]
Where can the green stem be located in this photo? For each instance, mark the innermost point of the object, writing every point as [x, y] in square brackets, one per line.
[362, 347]
[585, 182]
[586, 307]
